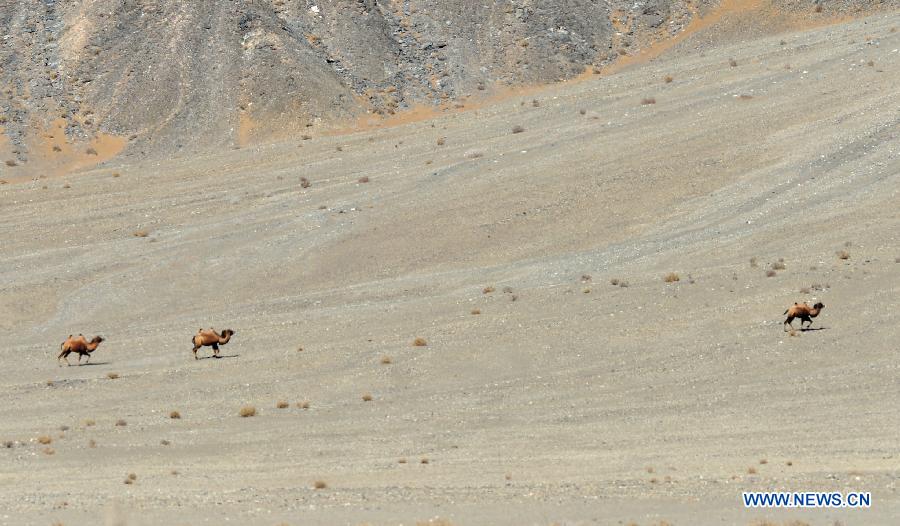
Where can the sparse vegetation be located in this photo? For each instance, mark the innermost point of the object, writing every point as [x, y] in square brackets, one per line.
[424, 460]
[90, 422]
[282, 404]
[476, 311]
[92, 443]
[668, 79]
[320, 484]
[121, 423]
[732, 62]
[818, 8]
[648, 100]
[441, 141]
[48, 451]
[843, 254]
[164, 442]
[614, 282]
[582, 111]
[367, 397]
[420, 342]
[9, 444]
[363, 179]
[804, 290]
[751, 470]
[247, 411]
[303, 405]
[771, 273]
[175, 415]
[518, 129]
[402, 461]
[112, 376]
[386, 360]
[487, 290]
[474, 154]
[44, 439]
[11, 163]
[671, 277]
[763, 461]
[91, 151]
[304, 182]
[140, 233]
[779, 265]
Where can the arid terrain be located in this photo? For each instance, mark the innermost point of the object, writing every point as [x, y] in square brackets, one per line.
[597, 271]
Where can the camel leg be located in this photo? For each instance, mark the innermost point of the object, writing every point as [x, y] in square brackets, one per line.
[65, 356]
[790, 323]
[215, 347]
[88, 358]
[195, 352]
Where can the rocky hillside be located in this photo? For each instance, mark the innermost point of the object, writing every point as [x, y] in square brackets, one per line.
[86, 80]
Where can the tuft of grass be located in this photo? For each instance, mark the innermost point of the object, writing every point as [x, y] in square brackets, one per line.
[779, 265]
[304, 182]
[441, 141]
[582, 111]
[247, 411]
[614, 282]
[320, 484]
[386, 360]
[668, 79]
[44, 439]
[535, 103]
[476, 312]
[303, 405]
[121, 423]
[586, 277]
[364, 179]
[487, 290]
[128, 481]
[112, 376]
[771, 273]
[92, 443]
[586, 291]
[48, 451]
[402, 461]
[282, 404]
[648, 100]
[132, 476]
[671, 277]
[9, 444]
[424, 460]
[90, 422]
[164, 442]
[518, 129]
[732, 62]
[818, 8]
[419, 342]
[140, 233]
[91, 151]
[763, 461]
[367, 397]
[116, 174]
[751, 470]
[843, 254]
[174, 472]
[789, 463]
[175, 415]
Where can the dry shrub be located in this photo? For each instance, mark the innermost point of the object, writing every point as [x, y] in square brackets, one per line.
[818, 8]
[9, 444]
[668, 79]
[132, 476]
[247, 411]
[441, 141]
[779, 265]
[671, 277]
[732, 62]
[582, 111]
[48, 451]
[536, 103]
[586, 291]
[175, 415]
[91, 151]
[386, 360]
[11, 163]
[476, 311]
[44, 439]
[763, 461]
[585, 278]
[487, 290]
[648, 100]
[90, 422]
[282, 404]
[771, 273]
[789, 463]
[751, 470]
[402, 461]
[320, 484]
[363, 179]
[121, 423]
[304, 182]
[419, 342]
[164, 442]
[367, 397]
[517, 129]
[63, 428]
[128, 481]
[744, 96]
[843, 254]
[474, 154]
[116, 174]
[424, 460]
[92, 443]
[303, 405]
[804, 290]
[140, 233]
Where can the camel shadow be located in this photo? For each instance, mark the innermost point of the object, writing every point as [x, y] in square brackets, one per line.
[89, 364]
[220, 356]
[809, 329]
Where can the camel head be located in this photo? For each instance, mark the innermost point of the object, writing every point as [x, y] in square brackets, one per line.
[819, 306]
[227, 333]
[97, 339]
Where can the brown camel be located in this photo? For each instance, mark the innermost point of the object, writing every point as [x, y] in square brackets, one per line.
[78, 344]
[802, 311]
[209, 337]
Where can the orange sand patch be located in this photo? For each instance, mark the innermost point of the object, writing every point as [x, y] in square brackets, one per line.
[247, 128]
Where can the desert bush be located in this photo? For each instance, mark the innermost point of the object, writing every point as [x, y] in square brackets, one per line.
[648, 100]
[247, 411]
[671, 277]
[282, 404]
[420, 342]
[175, 415]
[843, 254]
[517, 129]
